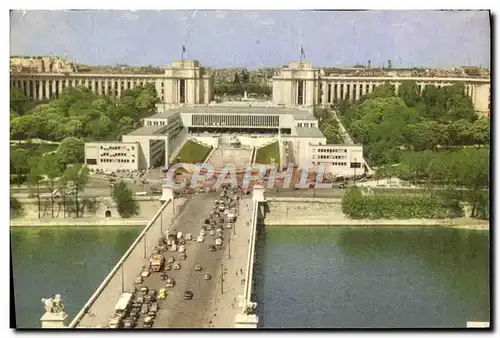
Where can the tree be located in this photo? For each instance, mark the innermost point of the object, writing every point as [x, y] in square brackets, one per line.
[17, 101]
[78, 175]
[409, 92]
[16, 207]
[51, 167]
[34, 179]
[424, 135]
[124, 199]
[19, 164]
[481, 131]
[330, 128]
[236, 78]
[71, 150]
[92, 205]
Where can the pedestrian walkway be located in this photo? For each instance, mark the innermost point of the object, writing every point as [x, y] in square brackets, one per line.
[225, 305]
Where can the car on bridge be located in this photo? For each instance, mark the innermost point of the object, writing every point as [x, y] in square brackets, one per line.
[188, 295]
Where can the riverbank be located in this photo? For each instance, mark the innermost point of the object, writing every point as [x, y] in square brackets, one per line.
[460, 223]
[78, 222]
[287, 211]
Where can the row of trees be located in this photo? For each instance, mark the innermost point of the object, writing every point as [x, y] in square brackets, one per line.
[70, 151]
[227, 88]
[386, 124]
[461, 175]
[80, 113]
[328, 125]
[357, 206]
[65, 184]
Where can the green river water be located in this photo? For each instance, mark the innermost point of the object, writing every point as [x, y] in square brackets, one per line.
[338, 277]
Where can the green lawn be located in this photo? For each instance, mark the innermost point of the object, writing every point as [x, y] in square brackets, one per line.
[192, 152]
[266, 154]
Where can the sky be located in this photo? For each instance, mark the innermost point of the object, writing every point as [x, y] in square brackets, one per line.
[255, 39]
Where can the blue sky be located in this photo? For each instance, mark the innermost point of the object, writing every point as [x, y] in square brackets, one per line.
[256, 38]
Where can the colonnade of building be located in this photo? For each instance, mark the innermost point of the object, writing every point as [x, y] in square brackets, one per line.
[300, 84]
[183, 82]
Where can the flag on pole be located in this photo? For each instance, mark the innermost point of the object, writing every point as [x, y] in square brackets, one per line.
[182, 53]
[302, 53]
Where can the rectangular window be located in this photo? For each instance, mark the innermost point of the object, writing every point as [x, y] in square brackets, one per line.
[300, 94]
[91, 161]
[182, 91]
[355, 164]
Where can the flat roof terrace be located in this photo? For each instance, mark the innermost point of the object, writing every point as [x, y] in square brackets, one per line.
[298, 114]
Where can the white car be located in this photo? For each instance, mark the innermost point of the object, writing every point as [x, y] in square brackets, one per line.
[200, 239]
[173, 248]
[182, 249]
[188, 237]
[145, 273]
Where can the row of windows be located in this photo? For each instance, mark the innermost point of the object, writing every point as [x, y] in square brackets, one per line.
[331, 150]
[235, 120]
[115, 154]
[330, 157]
[156, 123]
[116, 160]
[114, 148]
[307, 125]
[332, 163]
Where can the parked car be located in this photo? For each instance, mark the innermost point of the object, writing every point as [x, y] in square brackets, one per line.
[148, 322]
[198, 267]
[207, 276]
[212, 248]
[188, 295]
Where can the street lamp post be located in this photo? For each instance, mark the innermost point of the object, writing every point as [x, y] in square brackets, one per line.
[222, 279]
[229, 247]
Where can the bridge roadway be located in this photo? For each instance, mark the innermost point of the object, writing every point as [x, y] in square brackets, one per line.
[175, 312]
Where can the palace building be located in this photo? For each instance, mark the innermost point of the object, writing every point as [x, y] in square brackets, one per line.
[187, 111]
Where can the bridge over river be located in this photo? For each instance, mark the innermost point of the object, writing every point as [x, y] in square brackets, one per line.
[225, 301]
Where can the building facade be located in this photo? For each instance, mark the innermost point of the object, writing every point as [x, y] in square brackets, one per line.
[184, 82]
[300, 84]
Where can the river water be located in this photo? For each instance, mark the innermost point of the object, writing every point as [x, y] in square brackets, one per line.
[66, 260]
[371, 277]
[306, 277]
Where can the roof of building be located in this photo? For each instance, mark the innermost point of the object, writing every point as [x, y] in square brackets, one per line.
[309, 132]
[298, 114]
[146, 130]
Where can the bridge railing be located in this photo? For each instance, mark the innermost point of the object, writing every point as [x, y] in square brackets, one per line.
[122, 276]
[251, 252]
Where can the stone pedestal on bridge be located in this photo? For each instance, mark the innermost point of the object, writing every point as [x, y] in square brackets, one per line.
[54, 320]
[167, 193]
[246, 321]
[258, 194]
